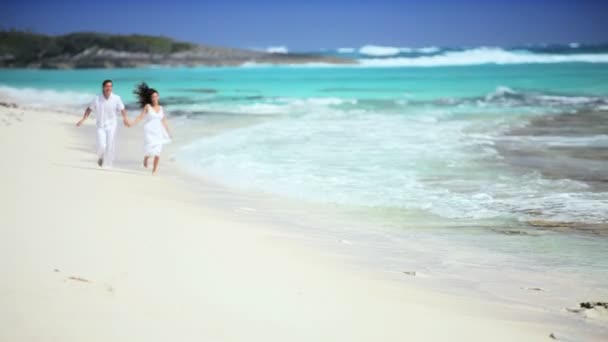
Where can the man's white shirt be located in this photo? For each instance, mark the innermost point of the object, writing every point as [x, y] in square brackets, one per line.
[106, 110]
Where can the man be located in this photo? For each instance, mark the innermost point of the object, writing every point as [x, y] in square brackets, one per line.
[106, 107]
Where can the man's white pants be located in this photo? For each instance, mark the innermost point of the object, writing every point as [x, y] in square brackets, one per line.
[106, 144]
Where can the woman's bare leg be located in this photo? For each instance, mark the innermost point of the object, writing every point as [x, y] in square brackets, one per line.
[156, 159]
[146, 161]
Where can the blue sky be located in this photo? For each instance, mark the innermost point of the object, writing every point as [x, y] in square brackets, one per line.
[313, 24]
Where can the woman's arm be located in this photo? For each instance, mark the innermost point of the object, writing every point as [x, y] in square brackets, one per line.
[166, 124]
[140, 116]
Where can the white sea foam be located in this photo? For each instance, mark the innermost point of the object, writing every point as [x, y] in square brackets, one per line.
[274, 106]
[500, 91]
[381, 57]
[379, 51]
[424, 50]
[430, 49]
[482, 56]
[596, 140]
[346, 50]
[507, 96]
[568, 100]
[277, 49]
[386, 51]
[340, 155]
[32, 97]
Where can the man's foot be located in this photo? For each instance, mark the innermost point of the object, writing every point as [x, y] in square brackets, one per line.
[100, 162]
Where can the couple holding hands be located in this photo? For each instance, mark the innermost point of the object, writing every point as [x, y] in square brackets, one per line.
[107, 106]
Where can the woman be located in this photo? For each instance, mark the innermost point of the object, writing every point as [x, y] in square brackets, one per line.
[156, 127]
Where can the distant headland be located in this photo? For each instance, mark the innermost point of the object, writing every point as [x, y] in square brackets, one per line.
[20, 49]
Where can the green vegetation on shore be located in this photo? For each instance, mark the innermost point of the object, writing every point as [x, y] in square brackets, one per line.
[28, 47]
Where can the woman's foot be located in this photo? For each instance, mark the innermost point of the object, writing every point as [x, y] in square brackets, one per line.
[100, 162]
[156, 159]
[146, 161]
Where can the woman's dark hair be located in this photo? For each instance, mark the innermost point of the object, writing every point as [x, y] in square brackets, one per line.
[106, 82]
[143, 93]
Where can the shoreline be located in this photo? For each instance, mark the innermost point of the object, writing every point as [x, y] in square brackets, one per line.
[414, 259]
[491, 259]
[151, 270]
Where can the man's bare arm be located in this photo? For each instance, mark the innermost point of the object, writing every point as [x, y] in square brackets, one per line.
[87, 112]
[125, 119]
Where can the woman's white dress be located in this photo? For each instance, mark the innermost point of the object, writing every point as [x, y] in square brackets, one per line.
[155, 134]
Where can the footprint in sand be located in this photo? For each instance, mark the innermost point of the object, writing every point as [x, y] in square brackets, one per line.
[538, 289]
[109, 288]
[79, 279]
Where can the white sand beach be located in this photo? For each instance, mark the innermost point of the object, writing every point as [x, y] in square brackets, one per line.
[119, 255]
